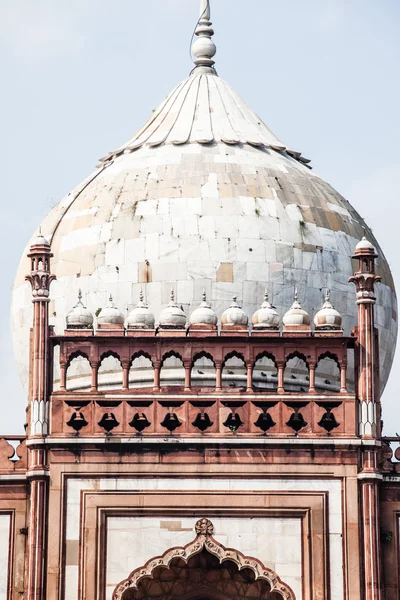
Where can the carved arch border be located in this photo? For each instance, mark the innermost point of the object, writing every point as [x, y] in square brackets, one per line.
[204, 541]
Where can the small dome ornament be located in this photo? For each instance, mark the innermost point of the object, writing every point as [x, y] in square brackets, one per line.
[172, 316]
[141, 317]
[328, 318]
[296, 317]
[204, 314]
[234, 316]
[40, 240]
[266, 317]
[79, 317]
[364, 244]
[110, 315]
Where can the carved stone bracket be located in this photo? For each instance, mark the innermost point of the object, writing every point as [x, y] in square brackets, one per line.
[204, 541]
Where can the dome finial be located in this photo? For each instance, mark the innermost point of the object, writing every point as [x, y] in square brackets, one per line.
[204, 48]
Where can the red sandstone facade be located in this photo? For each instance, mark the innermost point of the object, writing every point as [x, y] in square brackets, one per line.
[313, 457]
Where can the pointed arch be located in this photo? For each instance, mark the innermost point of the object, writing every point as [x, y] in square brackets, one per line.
[203, 354]
[109, 354]
[141, 370]
[203, 371]
[296, 354]
[171, 354]
[327, 373]
[204, 542]
[265, 372]
[296, 374]
[141, 354]
[234, 370]
[233, 354]
[76, 354]
[109, 373]
[78, 372]
[330, 355]
[172, 373]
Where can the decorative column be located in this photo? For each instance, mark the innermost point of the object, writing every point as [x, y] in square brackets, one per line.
[188, 376]
[218, 376]
[366, 348]
[125, 375]
[367, 361]
[369, 479]
[94, 378]
[37, 531]
[281, 373]
[63, 375]
[40, 279]
[311, 388]
[157, 370]
[343, 375]
[249, 378]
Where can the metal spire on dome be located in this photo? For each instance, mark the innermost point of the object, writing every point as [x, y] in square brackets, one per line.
[204, 48]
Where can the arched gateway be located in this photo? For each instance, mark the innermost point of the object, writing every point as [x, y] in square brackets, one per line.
[203, 570]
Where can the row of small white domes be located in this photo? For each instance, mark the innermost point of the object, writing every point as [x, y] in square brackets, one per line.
[173, 316]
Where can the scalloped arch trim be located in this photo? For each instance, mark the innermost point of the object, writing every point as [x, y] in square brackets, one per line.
[204, 541]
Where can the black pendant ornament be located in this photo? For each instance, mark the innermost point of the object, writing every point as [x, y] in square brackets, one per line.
[139, 422]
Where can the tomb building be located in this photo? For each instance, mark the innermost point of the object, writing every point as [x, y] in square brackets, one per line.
[204, 328]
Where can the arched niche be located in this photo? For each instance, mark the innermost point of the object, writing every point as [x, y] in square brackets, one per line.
[234, 372]
[296, 375]
[172, 370]
[203, 371]
[79, 373]
[265, 373]
[203, 570]
[327, 374]
[141, 372]
[109, 374]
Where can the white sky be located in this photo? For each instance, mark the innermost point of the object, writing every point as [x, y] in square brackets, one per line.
[79, 77]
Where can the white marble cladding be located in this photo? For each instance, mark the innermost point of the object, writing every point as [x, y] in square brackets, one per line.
[231, 220]
[203, 109]
[5, 522]
[132, 541]
[244, 534]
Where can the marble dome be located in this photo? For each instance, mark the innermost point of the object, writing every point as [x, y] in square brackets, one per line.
[296, 315]
[204, 197]
[79, 317]
[328, 317]
[110, 315]
[204, 314]
[266, 317]
[234, 315]
[141, 317]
